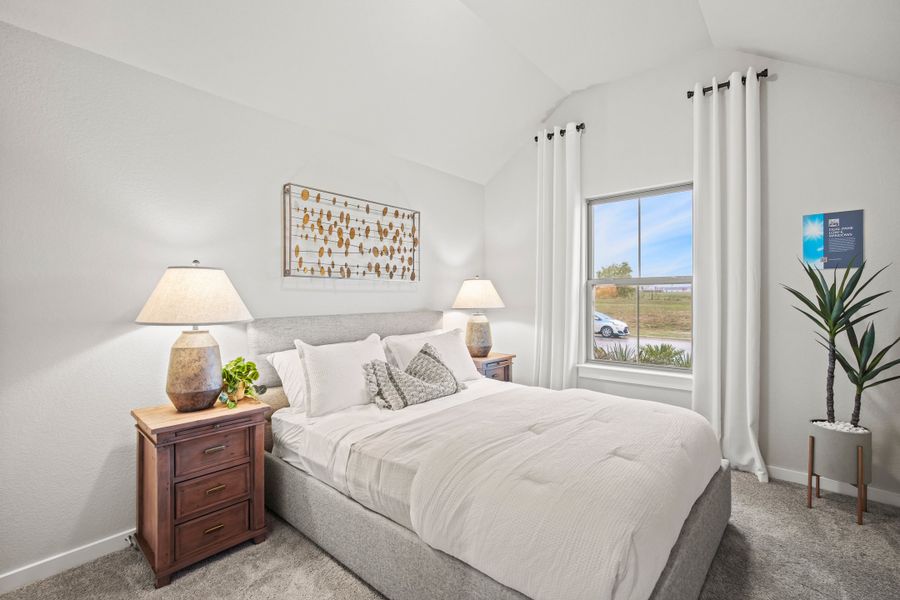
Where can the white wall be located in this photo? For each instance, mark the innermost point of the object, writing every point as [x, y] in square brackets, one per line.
[830, 142]
[109, 174]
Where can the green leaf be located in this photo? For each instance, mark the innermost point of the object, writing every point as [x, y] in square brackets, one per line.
[832, 291]
[851, 285]
[877, 359]
[859, 305]
[811, 318]
[817, 281]
[862, 318]
[837, 311]
[799, 295]
[827, 341]
[874, 373]
[874, 383]
[845, 364]
[854, 342]
[868, 344]
[867, 282]
[844, 281]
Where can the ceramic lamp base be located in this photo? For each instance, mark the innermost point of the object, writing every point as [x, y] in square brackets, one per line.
[478, 336]
[195, 371]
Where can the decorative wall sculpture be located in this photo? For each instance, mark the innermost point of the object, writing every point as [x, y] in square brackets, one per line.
[329, 235]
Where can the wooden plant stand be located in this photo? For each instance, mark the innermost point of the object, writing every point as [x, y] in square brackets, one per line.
[862, 489]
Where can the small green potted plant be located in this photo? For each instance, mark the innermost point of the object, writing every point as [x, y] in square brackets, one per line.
[835, 308]
[237, 381]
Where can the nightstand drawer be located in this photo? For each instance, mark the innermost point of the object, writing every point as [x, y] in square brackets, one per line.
[202, 453]
[495, 366]
[211, 491]
[499, 373]
[206, 531]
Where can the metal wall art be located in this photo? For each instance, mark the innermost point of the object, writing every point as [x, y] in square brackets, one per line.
[329, 235]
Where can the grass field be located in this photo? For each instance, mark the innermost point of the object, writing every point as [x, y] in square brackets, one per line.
[663, 314]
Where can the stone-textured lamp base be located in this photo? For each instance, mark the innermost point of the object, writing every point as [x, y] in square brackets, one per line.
[478, 336]
[195, 371]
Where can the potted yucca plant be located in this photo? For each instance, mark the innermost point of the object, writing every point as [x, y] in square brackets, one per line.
[835, 308]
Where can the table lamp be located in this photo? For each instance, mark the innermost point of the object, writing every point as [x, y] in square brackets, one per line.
[478, 294]
[194, 296]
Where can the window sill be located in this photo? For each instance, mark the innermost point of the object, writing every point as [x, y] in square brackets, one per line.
[658, 378]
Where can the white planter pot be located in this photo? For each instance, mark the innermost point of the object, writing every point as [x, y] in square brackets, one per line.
[835, 453]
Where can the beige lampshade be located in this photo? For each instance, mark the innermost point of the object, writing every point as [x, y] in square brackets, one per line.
[193, 296]
[478, 294]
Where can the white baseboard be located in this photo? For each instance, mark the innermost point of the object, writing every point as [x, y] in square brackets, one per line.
[58, 563]
[839, 487]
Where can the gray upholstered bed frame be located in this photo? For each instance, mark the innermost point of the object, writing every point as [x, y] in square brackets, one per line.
[393, 559]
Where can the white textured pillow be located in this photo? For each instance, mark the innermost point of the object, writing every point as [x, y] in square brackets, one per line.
[335, 379]
[450, 345]
[290, 370]
[386, 342]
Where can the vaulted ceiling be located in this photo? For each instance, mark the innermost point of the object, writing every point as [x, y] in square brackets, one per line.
[457, 85]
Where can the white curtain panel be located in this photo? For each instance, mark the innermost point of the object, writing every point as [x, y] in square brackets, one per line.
[727, 267]
[560, 296]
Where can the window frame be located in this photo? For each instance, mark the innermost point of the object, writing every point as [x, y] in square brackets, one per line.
[635, 281]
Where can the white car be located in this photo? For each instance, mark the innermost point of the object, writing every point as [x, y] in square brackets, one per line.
[609, 327]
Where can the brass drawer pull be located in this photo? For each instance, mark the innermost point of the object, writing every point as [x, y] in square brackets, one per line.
[215, 489]
[214, 449]
[214, 528]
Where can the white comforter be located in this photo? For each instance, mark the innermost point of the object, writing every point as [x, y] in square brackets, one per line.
[562, 495]
[570, 494]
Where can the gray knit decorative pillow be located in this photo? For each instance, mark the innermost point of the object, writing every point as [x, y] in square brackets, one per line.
[425, 378]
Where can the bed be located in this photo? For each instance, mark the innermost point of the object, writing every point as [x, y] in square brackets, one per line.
[355, 486]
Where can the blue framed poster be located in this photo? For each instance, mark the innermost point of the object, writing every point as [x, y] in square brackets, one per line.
[833, 240]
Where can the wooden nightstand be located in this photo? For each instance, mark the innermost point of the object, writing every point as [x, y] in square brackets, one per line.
[199, 482]
[495, 366]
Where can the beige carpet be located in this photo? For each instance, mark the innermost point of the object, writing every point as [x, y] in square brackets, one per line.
[773, 549]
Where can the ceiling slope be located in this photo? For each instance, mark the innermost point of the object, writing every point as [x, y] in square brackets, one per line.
[426, 81]
[859, 37]
[580, 43]
[457, 85]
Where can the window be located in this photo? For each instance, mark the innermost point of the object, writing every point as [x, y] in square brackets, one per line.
[640, 256]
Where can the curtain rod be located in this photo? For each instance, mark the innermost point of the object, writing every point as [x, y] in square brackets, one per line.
[727, 84]
[562, 132]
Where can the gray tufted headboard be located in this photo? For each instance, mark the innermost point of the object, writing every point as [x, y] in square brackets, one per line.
[274, 334]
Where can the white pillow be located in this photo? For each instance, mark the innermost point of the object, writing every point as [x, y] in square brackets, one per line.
[335, 379]
[386, 342]
[450, 345]
[290, 370]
